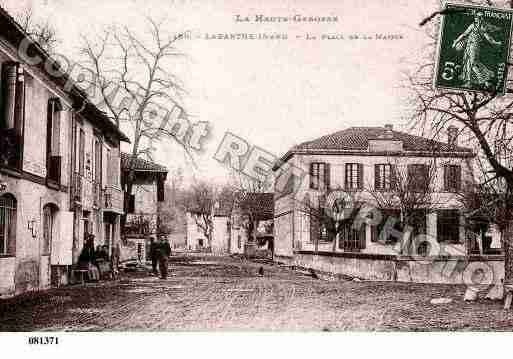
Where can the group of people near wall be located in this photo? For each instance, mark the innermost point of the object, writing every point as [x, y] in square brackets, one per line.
[159, 252]
[97, 261]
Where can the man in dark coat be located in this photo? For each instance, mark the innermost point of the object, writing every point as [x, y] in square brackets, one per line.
[154, 255]
[164, 253]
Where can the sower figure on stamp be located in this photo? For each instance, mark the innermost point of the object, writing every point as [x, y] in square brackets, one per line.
[471, 41]
[164, 253]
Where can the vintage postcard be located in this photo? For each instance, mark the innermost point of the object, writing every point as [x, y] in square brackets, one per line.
[171, 166]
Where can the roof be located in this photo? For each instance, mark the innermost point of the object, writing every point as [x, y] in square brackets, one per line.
[260, 205]
[357, 139]
[141, 165]
[15, 34]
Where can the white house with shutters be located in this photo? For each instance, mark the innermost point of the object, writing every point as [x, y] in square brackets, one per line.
[353, 169]
[59, 170]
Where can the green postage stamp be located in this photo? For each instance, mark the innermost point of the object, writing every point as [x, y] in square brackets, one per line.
[473, 49]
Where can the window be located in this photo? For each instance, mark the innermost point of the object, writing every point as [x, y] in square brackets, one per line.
[160, 188]
[319, 175]
[418, 177]
[391, 220]
[48, 227]
[239, 241]
[351, 239]
[13, 110]
[448, 225]
[53, 160]
[383, 177]
[81, 152]
[452, 178]
[354, 176]
[97, 160]
[321, 226]
[417, 220]
[7, 225]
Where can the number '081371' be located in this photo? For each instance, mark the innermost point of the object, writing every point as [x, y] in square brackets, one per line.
[43, 340]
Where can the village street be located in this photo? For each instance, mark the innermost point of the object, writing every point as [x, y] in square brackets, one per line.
[212, 293]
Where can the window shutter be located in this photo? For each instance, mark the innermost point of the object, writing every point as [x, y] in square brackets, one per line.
[377, 179]
[314, 226]
[346, 175]
[19, 110]
[327, 175]
[160, 190]
[49, 133]
[425, 177]
[446, 178]
[342, 236]
[374, 233]
[458, 178]
[9, 75]
[411, 177]
[360, 176]
[361, 236]
[129, 203]
[311, 176]
[393, 177]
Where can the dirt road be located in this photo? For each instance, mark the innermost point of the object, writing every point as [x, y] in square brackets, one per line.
[221, 293]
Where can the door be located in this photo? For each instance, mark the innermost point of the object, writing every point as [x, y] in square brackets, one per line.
[49, 212]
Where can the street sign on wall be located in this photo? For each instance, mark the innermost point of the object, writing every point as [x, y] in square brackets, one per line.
[473, 48]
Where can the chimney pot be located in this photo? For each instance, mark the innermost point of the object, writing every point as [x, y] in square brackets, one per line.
[452, 136]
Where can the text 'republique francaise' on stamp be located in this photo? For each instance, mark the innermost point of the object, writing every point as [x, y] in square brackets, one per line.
[473, 49]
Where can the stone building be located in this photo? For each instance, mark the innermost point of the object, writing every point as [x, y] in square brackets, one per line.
[357, 167]
[144, 206]
[229, 225]
[55, 151]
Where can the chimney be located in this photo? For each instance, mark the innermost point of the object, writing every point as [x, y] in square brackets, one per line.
[388, 130]
[452, 136]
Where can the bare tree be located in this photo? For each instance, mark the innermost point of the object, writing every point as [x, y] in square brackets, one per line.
[407, 191]
[199, 201]
[40, 31]
[247, 204]
[486, 119]
[329, 212]
[133, 75]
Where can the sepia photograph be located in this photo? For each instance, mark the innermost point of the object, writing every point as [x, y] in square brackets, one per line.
[294, 167]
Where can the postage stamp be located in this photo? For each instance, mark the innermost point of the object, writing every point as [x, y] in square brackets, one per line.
[473, 48]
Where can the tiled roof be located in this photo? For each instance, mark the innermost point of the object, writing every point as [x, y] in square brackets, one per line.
[260, 205]
[141, 165]
[357, 138]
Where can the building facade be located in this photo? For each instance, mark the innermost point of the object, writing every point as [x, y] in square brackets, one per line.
[55, 150]
[374, 179]
[144, 206]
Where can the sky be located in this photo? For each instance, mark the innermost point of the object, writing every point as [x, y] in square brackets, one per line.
[274, 94]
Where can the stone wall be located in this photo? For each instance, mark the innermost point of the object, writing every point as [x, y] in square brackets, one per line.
[451, 270]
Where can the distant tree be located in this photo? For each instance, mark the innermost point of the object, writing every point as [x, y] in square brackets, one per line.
[198, 201]
[244, 192]
[41, 31]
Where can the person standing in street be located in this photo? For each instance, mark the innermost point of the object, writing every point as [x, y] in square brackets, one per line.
[164, 253]
[154, 255]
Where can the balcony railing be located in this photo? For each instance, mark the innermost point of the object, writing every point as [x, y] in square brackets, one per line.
[113, 199]
[54, 169]
[10, 148]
